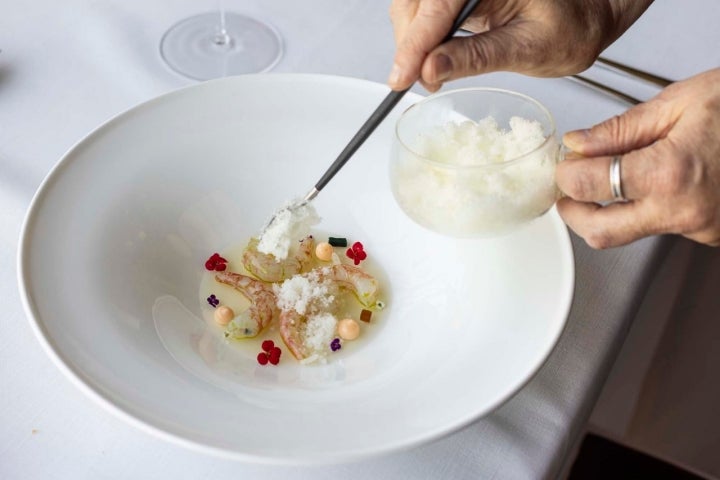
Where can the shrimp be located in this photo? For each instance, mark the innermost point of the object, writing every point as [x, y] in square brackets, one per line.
[292, 333]
[266, 267]
[353, 278]
[348, 277]
[262, 309]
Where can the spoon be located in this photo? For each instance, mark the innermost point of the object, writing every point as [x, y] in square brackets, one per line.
[367, 128]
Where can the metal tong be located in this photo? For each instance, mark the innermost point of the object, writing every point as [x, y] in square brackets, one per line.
[624, 70]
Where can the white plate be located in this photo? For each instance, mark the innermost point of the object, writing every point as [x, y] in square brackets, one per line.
[123, 224]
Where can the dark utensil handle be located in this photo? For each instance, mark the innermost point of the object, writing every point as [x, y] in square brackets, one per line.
[368, 128]
[384, 109]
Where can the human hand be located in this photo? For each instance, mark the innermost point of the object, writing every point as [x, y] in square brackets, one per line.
[670, 169]
[535, 37]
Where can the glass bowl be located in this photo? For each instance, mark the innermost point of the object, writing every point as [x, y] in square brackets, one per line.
[475, 162]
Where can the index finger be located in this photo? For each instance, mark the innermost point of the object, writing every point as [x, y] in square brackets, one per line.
[420, 25]
[401, 14]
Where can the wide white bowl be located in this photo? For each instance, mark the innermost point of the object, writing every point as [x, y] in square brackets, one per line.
[112, 254]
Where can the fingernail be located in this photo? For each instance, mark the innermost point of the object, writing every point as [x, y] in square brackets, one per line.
[395, 75]
[572, 155]
[443, 67]
[575, 139]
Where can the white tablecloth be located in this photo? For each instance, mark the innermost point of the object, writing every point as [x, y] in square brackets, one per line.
[66, 67]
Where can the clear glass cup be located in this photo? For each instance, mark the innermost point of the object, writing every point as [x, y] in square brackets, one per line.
[459, 168]
[219, 44]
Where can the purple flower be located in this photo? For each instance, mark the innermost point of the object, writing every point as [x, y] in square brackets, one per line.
[335, 345]
[213, 301]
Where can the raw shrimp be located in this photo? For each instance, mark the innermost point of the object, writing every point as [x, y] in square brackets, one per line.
[349, 277]
[262, 305]
[353, 278]
[266, 267]
[291, 331]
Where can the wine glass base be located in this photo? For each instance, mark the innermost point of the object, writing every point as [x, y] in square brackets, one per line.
[197, 48]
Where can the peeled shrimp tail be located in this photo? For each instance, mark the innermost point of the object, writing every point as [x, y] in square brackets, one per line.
[353, 278]
[290, 323]
[244, 325]
[250, 322]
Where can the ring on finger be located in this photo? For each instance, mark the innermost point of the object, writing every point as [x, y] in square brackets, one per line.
[615, 180]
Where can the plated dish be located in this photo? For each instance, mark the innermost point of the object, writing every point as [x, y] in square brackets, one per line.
[112, 256]
[312, 302]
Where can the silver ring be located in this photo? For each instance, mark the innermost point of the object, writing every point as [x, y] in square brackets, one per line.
[615, 181]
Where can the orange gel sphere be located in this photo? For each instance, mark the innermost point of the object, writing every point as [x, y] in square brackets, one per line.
[324, 251]
[223, 315]
[348, 329]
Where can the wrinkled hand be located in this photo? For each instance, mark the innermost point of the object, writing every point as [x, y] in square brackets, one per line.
[535, 37]
[670, 169]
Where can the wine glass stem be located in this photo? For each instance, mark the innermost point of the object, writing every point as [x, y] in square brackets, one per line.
[221, 37]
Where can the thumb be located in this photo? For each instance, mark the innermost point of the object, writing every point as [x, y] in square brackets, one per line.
[502, 49]
[636, 128]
